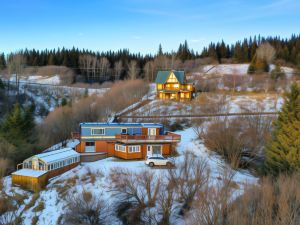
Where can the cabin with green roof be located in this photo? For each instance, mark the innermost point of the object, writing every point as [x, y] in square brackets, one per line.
[173, 85]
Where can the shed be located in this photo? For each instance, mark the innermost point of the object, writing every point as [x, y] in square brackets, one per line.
[30, 179]
[52, 160]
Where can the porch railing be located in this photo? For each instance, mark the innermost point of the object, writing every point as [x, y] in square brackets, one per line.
[169, 136]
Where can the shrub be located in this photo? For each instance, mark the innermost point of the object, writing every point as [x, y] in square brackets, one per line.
[85, 208]
[39, 207]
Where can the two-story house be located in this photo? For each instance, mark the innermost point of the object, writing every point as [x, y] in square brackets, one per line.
[173, 85]
[125, 140]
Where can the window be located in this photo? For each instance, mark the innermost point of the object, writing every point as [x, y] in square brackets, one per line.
[172, 79]
[176, 86]
[156, 149]
[159, 86]
[124, 131]
[120, 148]
[89, 143]
[134, 148]
[98, 131]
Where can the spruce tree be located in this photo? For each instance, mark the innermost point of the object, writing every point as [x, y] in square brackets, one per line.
[17, 129]
[283, 151]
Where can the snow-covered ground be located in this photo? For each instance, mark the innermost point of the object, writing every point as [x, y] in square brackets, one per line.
[53, 196]
[238, 69]
[226, 104]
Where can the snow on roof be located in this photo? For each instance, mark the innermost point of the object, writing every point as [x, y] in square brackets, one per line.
[29, 173]
[57, 155]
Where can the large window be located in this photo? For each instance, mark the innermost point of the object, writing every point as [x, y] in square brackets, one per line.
[120, 148]
[134, 148]
[98, 131]
[172, 79]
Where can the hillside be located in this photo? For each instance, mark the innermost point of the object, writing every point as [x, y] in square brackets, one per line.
[94, 177]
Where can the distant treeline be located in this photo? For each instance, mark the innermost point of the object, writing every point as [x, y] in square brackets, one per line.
[89, 62]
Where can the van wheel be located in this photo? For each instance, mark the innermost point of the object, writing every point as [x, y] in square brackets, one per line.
[151, 164]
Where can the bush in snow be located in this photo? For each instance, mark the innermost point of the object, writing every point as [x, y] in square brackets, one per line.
[85, 208]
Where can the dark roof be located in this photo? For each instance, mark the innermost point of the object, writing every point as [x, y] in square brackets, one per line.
[162, 76]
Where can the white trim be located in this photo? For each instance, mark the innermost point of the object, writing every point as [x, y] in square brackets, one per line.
[134, 148]
[120, 148]
[100, 129]
[151, 129]
[151, 149]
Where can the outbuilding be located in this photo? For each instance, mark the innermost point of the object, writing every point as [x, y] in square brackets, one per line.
[38, 169]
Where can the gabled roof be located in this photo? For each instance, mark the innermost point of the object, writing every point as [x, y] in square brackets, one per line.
[57, 155]
[162, 76]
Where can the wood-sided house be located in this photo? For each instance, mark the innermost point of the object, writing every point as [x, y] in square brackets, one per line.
[38, 169]
[125, 140]
[173, 85]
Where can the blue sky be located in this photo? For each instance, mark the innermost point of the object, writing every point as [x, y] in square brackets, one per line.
[141, 25]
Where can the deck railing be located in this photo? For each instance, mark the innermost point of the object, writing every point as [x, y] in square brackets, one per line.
[169, 136]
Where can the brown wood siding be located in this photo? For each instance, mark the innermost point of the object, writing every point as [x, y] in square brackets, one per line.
[120, 154]
[30, 183]
[54, 173]
[101, 146]
[166, 149]
[144, 131]
[111, 148]
[80, 147]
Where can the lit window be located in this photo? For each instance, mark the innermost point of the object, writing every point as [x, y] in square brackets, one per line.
[98, 131]
[159, 86]
[172, 79]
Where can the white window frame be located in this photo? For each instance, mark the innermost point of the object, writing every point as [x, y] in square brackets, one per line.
[134, 148]
[151, 147]
[100, 129]
[120, 148]
[151, 129]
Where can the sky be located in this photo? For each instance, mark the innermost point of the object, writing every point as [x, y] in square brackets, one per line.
[141, 25]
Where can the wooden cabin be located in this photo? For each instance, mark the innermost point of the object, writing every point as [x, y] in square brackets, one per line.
[125, 140]
[173, 85]
[38, 169]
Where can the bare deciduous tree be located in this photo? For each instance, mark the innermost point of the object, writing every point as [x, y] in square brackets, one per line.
[190, 176]
[118, 68]
[85, 208]
[132, 70]
[266, 52]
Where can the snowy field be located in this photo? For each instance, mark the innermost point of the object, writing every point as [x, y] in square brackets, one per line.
[53, 199]
[239, 69]
[213, 103]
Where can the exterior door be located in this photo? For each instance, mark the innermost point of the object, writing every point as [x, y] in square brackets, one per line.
[153, 150]
[149, 150]
[152, 131]
[35, 164]
[90, 147]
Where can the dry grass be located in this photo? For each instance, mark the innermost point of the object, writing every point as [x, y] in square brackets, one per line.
[34, 220]
[32, 202]
[39, 207]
